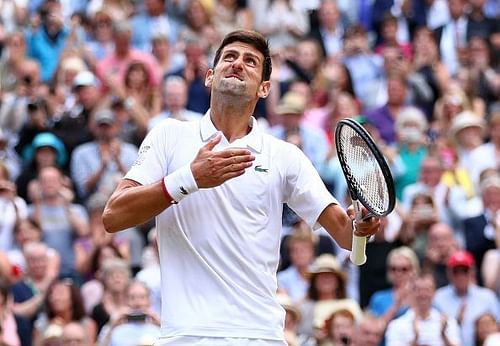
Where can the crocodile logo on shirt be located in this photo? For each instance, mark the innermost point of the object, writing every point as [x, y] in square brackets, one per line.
[259, 168]
[183, 190]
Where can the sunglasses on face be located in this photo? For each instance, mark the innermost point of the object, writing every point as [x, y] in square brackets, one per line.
[460, 270]
[399, 269]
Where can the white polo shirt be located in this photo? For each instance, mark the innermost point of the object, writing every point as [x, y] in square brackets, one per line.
[219, 247]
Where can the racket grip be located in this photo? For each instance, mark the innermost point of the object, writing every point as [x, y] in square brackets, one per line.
[358, 253]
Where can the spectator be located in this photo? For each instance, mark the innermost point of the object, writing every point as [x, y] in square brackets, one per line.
[326, 294]
[366, 68]
[27, 231]
[74, 334]
[100, 41]
[490, 268]
[312, 141]
[480, 230]
[422, 324]
[106, 158]
[30, 292]
[385, 117]
[402, 266]
[441, 243]
[193, 72]
[292, 320]
[229, 15]
[12, 208]
[330, 30]
[486, 325]
[60, 219]
[13, 111]
[9, 159]
[293, 280]
[339, 328]
[135, 325]
[47, 42]
[485, 155]
[72, 126]
[63, 305]
[166, 54]
[111, 70]
[462, 298]
[389, 36]
[118, 9]
[198, 26]
[416, 223]
[13, 55]
[8, 330]
[46, 150]
[175, 97]
[115, 276]
[369, 331]
[281, 21]
[410, 147]
[153, 20]
[150, 272]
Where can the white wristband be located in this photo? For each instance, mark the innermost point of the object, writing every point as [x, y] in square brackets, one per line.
[180, 183]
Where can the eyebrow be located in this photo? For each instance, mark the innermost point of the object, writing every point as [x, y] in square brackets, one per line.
[244, 54]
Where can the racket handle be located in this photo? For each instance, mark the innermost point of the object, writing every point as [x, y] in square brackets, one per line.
[358, 253]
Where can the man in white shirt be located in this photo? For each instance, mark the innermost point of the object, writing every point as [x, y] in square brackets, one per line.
[422, 324]
[217, 187]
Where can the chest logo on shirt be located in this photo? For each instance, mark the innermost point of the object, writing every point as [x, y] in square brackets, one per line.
[142, 155]
[259, 168]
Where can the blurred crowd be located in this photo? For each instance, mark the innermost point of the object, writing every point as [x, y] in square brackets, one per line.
[83, 81]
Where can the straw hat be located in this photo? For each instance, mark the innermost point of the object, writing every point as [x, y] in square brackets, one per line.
[323, 310]
[287, 304]
[291, 103]
[465, 120]
[327, 263]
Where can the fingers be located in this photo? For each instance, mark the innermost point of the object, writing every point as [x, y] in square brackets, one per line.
[213, 142]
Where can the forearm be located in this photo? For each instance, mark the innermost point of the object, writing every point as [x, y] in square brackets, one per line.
[133, 204]
[338, 224]
[29, 308]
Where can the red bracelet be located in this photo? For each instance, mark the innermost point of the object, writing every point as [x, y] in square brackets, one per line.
[167, 195]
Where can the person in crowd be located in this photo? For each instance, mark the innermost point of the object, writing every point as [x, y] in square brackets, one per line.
[423, 324]
[26, 231]
[229, 15]
[153, 19]
[150, 272]
[166, 54]
[61, 220]
[45, 150]
[74, 334]
[402, 267]
[9, 158]
[330, 29]
[99, 42]
[175, 97]
[72, 126]
[369, 331]
[30, 292]
[136, 323]
[486, 155]
[486, 325]
[8, 326]
[463, 299]
[480, 230]
[106, 158]
[115, 276]
[293, 280]
[11, 60]
[63, 304]
[310, 140]
[12, 208]
[441, 243]
[292, 319]
[327, 293]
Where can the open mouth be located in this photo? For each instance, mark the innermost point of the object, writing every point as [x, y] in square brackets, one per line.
[234, 76]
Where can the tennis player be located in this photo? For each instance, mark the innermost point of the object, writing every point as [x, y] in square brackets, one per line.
[216, 187]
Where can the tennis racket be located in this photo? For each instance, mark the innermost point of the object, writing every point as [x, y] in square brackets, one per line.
[368, 177]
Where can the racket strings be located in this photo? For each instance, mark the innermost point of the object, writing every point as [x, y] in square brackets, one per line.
[364, 171]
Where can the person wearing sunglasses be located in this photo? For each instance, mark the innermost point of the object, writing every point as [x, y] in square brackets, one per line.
[463, 299]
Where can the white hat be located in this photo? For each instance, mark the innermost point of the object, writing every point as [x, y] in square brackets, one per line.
[85, 78]
[464, 120]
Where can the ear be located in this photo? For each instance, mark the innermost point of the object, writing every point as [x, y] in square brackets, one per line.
[209, 76]
[264, 89]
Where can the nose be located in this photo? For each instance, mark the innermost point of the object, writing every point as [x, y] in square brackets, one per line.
[237, 64]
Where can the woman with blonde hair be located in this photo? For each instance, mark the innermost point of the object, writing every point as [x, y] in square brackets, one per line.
[402, 266]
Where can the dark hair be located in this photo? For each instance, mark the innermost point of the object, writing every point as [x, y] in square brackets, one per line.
[254, 39]
[340, 292]
[75, 296]
[95, 257]
[4, 289]
[137, 65]
[31, 220]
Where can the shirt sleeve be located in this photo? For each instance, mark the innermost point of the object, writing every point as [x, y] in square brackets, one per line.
[306, 194]
[151, 163]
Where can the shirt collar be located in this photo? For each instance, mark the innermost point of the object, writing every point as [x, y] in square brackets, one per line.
[252, 140]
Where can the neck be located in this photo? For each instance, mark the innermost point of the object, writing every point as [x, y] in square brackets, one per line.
[326, 296]
[422, 312]
[231, 115]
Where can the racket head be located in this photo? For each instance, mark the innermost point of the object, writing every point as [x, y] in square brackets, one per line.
[365, 169]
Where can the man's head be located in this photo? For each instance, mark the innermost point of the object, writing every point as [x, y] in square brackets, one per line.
[461, 270]
[369, 331]
[37, 258]
[86, 89]
[424, 287]
[105, 125]
[175, 93]
[253, 39]
[75, 334]
[138, 296]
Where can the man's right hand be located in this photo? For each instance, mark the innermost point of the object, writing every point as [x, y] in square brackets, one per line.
[211, 168]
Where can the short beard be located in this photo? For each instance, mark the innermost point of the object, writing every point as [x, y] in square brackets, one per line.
[234, 89]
